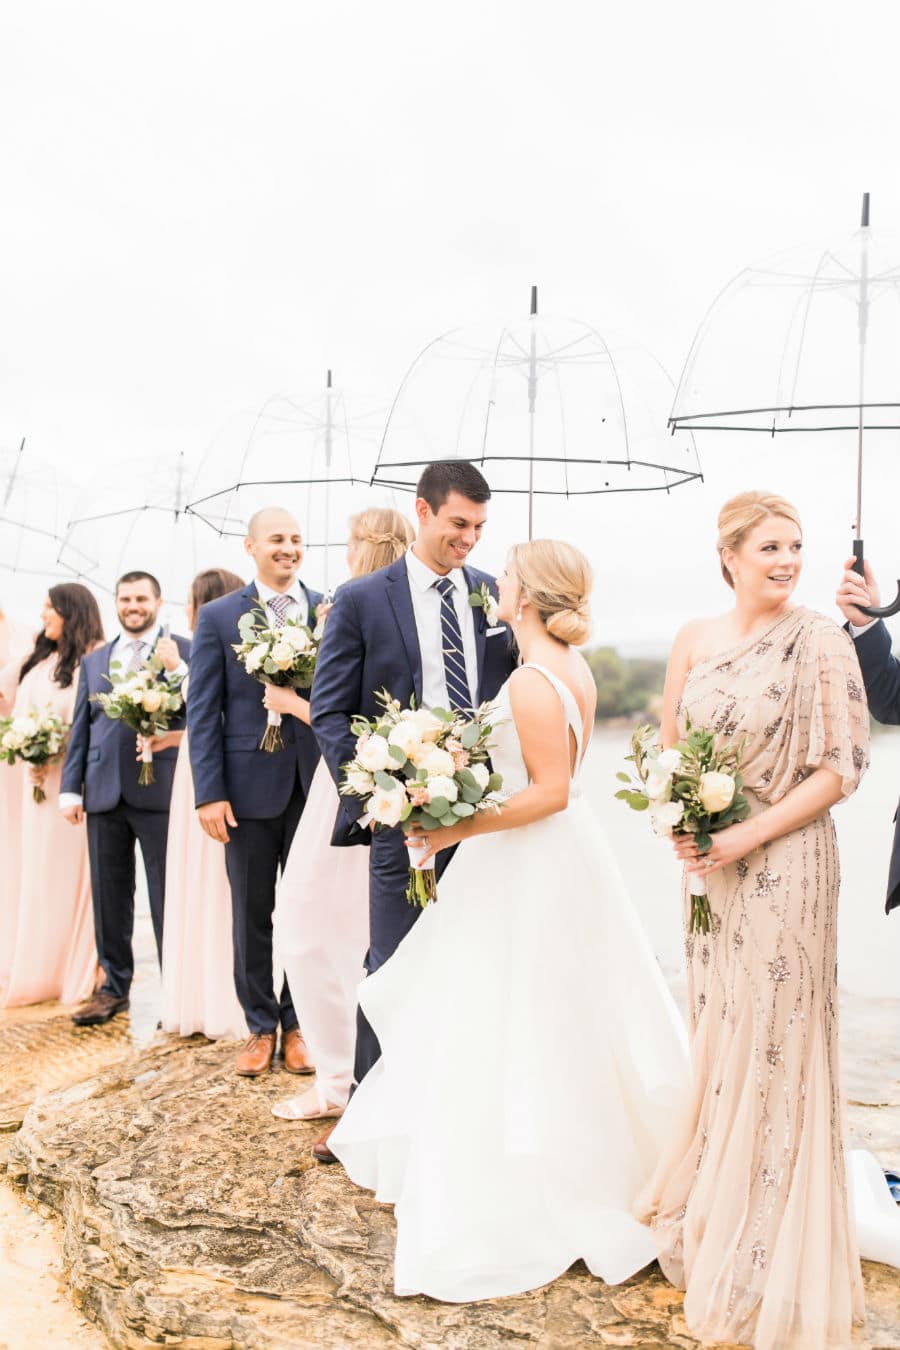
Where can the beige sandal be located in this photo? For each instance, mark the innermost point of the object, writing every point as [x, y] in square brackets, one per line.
[291, 1108]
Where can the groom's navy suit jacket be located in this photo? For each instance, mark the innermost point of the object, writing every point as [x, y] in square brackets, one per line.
[371, 643]
[881, 674]
[101, 763]
[226, 720]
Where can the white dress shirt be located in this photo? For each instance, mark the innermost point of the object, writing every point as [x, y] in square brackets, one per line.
[858, 632]
[426, 602]
[300, 611]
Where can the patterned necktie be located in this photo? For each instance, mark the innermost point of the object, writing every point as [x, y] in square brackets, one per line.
[280, 606]
[458, 691]
[136, 659]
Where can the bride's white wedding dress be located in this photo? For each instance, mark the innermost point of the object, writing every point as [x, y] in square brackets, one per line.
[531, 1060]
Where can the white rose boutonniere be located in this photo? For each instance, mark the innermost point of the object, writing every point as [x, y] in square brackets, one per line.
[484, 599]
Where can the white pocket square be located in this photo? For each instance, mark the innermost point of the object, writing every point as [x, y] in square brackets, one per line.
[492, 632]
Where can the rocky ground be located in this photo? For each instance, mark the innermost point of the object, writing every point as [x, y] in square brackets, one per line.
[192, 1217]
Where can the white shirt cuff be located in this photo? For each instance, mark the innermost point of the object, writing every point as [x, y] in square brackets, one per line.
[178, 673]
[858, 632]
[67, 799]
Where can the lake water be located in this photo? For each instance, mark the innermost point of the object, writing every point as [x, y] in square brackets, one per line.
[868, 939]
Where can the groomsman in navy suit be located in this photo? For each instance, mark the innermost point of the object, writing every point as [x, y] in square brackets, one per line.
[249, 799]
[410, 629]
[100, 779]
[881, 676]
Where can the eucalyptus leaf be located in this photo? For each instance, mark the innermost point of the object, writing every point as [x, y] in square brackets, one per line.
[463, 809]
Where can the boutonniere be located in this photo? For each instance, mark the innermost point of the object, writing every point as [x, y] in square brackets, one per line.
[484, 599]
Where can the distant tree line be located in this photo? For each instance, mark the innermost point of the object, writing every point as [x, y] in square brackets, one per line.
[626, 686]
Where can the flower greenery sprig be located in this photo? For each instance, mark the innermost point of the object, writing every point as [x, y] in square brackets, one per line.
[422, 766]
[484, 599]
[694, 788]
[145, 700]
[284, 656]
[36, 737]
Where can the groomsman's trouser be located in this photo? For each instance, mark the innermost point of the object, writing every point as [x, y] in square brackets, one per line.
[257, 851]
[390, 919]
[111, 840]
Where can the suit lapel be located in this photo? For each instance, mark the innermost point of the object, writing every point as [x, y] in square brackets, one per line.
[401, 603]
[479, 620]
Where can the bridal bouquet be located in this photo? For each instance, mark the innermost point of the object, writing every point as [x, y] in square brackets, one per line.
[284, 656]
[422, 766]
[144, 700]
[34, 737]
[694, 788]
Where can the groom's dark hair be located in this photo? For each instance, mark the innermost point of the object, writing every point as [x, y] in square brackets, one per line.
[444, 476]
[129, 578]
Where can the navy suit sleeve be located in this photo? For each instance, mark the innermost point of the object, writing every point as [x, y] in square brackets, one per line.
[205, 706]
[881, 673]
[337, 690]
[79, 738]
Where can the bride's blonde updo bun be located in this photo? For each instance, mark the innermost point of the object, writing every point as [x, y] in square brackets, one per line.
[743, 513]
[381, 536]
[556, 580]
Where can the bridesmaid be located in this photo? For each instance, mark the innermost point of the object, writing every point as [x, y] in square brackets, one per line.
[16, 642]
[49, 950]
[749, 1202]
[322, 910]
[197, 954]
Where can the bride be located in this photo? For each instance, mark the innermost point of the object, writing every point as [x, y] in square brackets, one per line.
[531, 1053]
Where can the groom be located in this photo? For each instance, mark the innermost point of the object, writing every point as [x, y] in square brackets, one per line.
[409, 629]
[248, 799]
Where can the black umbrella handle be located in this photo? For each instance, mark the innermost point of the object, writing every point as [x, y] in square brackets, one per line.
[873, 611]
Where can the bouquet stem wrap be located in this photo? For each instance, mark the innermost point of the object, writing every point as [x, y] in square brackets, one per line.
[146, 775]
[701, 914]
[272, 739]
[421, 889]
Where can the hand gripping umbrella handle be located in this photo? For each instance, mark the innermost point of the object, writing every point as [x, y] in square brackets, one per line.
[874, 611]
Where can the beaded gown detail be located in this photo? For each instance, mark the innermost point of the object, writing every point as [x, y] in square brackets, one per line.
[749, 1204]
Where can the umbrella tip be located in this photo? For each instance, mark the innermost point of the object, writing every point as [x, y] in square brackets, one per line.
[534, 299]
[328, 379]
[865, 209]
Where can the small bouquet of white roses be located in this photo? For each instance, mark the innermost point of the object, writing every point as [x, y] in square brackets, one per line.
[422, 766]
[36, 738]
[144, 700]
[694, 788]
[284, 656]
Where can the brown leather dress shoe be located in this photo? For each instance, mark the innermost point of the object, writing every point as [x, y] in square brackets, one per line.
[99, 1008]
[296, 1055]
[256, 1054]
[320, 1150]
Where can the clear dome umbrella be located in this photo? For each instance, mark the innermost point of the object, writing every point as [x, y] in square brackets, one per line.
[805, 342]
[133, 517]
[311, 454]
[548, 406]
[33, 501]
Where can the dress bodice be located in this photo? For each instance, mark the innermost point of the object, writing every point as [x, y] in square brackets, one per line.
[506, 752]
[38, 690]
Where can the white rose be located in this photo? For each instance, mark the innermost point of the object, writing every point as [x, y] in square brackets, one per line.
[282, 654]
[359, 781]
[297, 638]
[386, 807]
[255, 658]
[22, 725]
[405, 735]
[429, 726]
[716, 791]
[375, 754]
[437, 761]
[481, 773]
[440, 785]
[666, 816]
[657, 785]
[152, 700]
[668, 762]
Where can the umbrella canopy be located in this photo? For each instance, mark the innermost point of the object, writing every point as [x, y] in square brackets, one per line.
[133, 517]
[313, 455]
[548, 406]
[808, 341]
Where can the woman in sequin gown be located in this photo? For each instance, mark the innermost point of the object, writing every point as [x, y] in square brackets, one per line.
[749, 1202]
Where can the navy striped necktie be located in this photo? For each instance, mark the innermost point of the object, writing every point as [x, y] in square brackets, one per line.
[458, 692]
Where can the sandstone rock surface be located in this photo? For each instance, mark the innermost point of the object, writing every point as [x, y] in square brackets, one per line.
[194, 1218]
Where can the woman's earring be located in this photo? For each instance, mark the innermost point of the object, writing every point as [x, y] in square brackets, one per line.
[518, 616]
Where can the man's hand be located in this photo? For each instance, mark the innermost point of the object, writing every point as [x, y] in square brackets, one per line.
[168, 653]
[856, 590]
[74, 814]
[215, 817]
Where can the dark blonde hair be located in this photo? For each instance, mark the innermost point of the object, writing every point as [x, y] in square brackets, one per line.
[382, 535]
[556, 579]
[743, 513]
[210, 585]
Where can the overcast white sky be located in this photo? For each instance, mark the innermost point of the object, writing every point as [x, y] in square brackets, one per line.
[207, 203]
